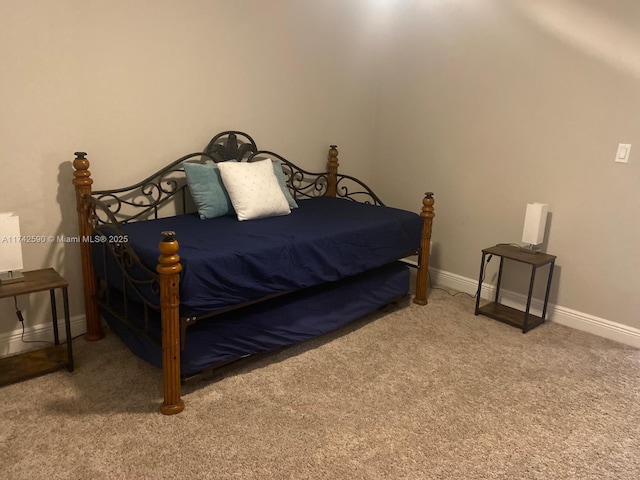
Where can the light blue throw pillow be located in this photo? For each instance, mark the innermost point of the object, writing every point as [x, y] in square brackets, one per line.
[277, 168]
[207, 190]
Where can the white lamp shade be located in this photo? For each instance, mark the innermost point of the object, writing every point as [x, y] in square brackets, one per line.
[535, 221]
[10, 243]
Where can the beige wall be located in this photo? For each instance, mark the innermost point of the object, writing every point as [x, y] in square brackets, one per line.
[138, 84]
[495, 104]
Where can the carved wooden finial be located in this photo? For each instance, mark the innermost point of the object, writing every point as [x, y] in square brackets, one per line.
[82, 175]
[333, 155]
[332, 169]
[168, 236]
[427, 206]
[169, 260]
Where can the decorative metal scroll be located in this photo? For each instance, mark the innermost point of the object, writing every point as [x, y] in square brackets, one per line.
[134, 273]
[226, 146]
[136, 280]
[353, 189]
[301, 183]
[165, 193]
[304, 184]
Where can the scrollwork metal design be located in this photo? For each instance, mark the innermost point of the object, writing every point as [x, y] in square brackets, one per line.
[226, 146]
[124, 254]
[139, 283]
[145, 199]
[363, 194]
[304, 184]
[301, 183]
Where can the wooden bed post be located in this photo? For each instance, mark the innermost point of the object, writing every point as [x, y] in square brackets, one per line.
[332, 169]
[169, 269]
[427, 215]
[83, 181]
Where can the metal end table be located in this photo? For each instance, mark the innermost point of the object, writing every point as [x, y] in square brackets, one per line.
[30, 364]
[512, 316]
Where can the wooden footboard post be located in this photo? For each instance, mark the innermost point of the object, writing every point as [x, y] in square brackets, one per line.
[332, 169]
[169, 269]
[427, 215]
[82, 181]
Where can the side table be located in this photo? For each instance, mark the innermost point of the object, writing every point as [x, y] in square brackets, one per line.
[26, 365]
[517, 318]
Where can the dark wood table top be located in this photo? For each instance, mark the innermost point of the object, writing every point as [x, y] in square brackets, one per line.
[516, 253]
[34, 281]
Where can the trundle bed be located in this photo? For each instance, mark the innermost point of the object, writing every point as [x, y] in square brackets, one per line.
[251, 275]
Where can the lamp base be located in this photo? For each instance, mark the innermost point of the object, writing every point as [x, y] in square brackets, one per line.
[530, 249]
[11, 277]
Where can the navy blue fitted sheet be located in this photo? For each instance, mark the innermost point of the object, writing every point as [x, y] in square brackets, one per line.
[227, 262]
[269, 325]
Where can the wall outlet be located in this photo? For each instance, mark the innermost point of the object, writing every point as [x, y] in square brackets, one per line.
[622, 155]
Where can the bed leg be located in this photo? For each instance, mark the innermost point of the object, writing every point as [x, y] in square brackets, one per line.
[332, 171]
[82, 181]
[427, 215]
[169, 269]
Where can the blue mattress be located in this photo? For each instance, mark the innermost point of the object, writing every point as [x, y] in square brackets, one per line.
[272, 324]
[226, 262]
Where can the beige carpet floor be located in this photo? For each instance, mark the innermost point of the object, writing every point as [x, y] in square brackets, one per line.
[419, 393]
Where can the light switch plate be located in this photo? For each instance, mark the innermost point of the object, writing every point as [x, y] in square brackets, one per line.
[622, 155]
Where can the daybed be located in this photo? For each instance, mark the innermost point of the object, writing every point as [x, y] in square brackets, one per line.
[281, 276]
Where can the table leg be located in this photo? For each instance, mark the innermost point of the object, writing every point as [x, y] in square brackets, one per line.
[499, 280]
[525, 326]
[546, 295]
[479, 284]
[67, 326]
[54, 316]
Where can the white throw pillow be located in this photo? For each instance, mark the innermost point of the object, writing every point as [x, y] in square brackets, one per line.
[253, 189]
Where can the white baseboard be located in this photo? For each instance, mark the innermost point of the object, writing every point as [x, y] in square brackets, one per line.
[12, 343]
[555, 313]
